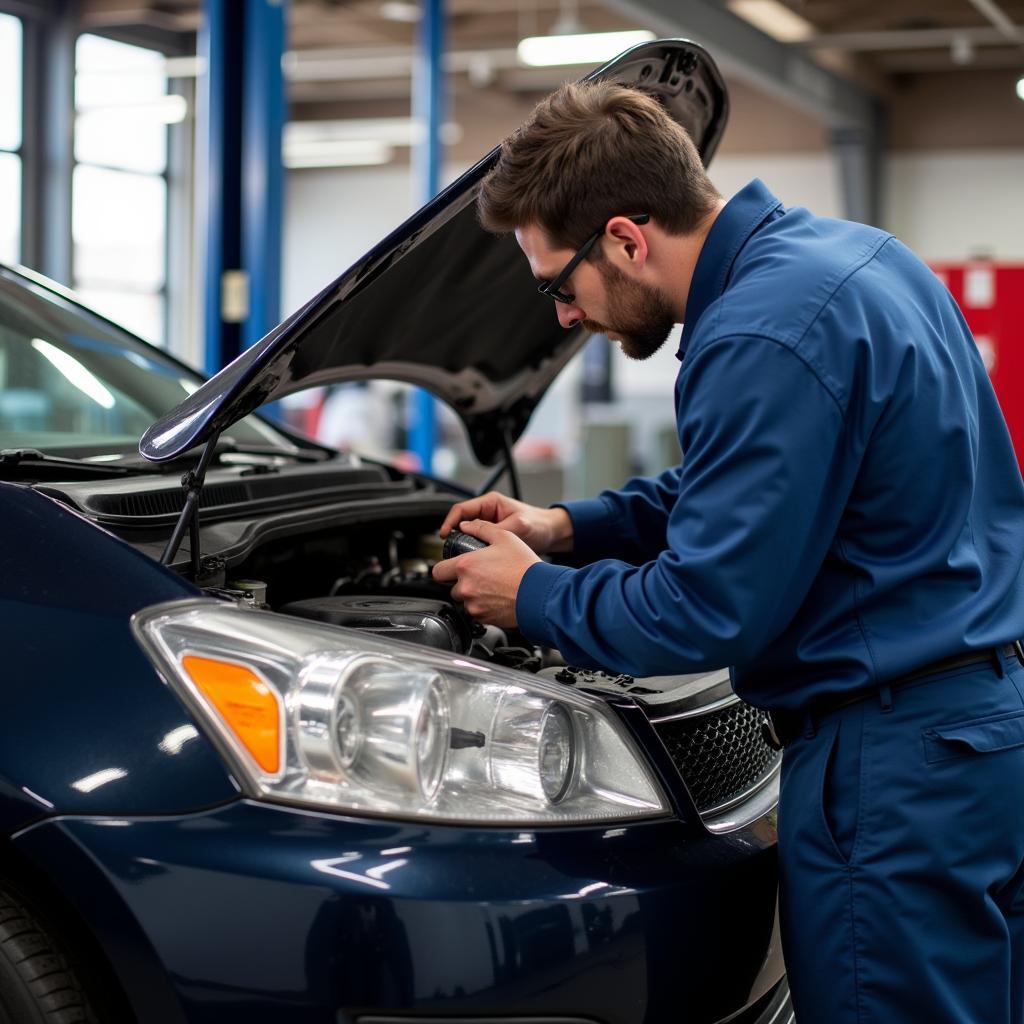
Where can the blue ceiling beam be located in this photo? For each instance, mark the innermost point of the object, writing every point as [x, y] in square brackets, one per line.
[744, 51]
[853, 116]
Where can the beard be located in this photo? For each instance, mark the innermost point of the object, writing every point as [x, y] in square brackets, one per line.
[638, 314]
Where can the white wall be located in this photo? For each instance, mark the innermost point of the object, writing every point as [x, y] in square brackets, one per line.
[332, 217]
[944, 205]
[798, 179]
[801, 179]
[956, 206]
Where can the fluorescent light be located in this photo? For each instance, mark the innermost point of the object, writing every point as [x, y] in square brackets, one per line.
[336, 153]
[74, 373]
[1020, 87]
[585, 48]
[358, 142]
[774, 19]
[393, 131]
[397, 10]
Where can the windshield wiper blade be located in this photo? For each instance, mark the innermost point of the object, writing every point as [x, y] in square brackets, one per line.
[20, 459]
[299, 454]
[227, 446]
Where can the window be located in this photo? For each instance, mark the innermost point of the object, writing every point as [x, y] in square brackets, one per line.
[119, 187]
[10, 138]
[71, 383]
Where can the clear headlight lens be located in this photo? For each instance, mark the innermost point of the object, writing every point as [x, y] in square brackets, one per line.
[369, 721]
[315, 714]
[533, 746]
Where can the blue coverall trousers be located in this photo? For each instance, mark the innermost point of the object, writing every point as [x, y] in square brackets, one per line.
[901, 842]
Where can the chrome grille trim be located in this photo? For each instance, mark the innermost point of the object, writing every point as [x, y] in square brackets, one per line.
[706, 709]
[721, 754]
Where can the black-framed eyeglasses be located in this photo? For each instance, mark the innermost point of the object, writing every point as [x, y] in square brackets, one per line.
[552, 287]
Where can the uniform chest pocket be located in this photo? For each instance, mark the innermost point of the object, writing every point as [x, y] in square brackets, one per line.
[978, 736]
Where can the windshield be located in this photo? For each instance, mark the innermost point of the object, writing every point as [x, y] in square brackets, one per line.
[72, 384]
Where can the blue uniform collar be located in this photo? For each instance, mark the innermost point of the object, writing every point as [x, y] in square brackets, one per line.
[737, 221]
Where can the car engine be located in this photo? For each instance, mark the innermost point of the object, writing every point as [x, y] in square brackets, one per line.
[390, 592]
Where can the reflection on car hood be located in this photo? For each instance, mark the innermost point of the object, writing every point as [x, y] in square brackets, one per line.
[440, 302]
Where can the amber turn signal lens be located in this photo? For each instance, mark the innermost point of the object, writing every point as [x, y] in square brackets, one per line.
[249, 707]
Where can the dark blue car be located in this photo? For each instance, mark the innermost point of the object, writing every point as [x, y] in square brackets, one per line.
[255, 765]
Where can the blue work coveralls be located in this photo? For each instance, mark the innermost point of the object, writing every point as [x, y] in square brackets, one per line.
[848, 510]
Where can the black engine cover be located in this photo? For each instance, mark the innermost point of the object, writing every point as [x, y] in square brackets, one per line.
[418, 620]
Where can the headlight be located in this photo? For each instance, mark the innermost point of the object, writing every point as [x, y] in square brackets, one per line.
[334, 718]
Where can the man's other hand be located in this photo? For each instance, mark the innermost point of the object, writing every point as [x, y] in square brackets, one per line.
[487, 581]
[545, 530]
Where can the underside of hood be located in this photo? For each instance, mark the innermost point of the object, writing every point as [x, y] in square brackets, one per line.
[441, 303]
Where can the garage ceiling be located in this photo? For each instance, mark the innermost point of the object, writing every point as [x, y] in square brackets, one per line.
[353, 58]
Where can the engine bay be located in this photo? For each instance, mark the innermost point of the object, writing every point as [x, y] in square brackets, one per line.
[347, 544]
[376, 578]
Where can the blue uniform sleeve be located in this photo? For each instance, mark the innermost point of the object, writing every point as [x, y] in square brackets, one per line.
[630, 523]
[758, 500]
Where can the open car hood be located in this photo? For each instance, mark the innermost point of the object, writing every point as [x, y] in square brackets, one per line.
[440, 302]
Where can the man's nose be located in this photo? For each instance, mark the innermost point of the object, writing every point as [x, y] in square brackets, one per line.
[569, 314]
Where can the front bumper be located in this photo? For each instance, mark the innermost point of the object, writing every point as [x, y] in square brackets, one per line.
[258, 913]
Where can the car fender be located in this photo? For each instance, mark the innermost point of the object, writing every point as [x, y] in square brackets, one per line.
[88, 726]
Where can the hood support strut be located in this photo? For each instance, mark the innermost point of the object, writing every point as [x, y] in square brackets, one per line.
[508, 465]
[192, 482]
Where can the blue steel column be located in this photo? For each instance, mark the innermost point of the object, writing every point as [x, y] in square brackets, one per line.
[262, 169]
[428, 112]
[240, 112]
[218, 144]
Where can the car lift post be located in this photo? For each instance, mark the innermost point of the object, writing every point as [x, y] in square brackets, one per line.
[428, 114]
[240, 114]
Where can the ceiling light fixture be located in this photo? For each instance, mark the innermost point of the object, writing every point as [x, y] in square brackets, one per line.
[1020, 88]
[961, 50]
[399, 10]
[392, 131]
[584, 48]
[336, 153]
[774, 19]
[570, 43]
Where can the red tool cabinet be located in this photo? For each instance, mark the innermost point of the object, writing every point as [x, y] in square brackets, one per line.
[991, 296]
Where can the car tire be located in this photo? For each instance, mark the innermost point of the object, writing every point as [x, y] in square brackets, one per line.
[37, 982]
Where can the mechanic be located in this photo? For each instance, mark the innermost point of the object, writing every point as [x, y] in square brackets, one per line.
[846, 530]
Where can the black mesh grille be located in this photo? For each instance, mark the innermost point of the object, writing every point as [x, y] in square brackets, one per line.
[155, 503]
[719, 755]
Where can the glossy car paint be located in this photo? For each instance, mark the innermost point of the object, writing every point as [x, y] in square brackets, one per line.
[211, 907]
[87, 726]
[265, 914]
[251, 912]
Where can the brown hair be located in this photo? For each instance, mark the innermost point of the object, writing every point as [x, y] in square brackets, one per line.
[591, 151]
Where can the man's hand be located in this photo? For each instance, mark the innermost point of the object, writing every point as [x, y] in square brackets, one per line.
[487, 581]
[545, 530]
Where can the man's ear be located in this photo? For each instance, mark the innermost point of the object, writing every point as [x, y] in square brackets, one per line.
[625, 243]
